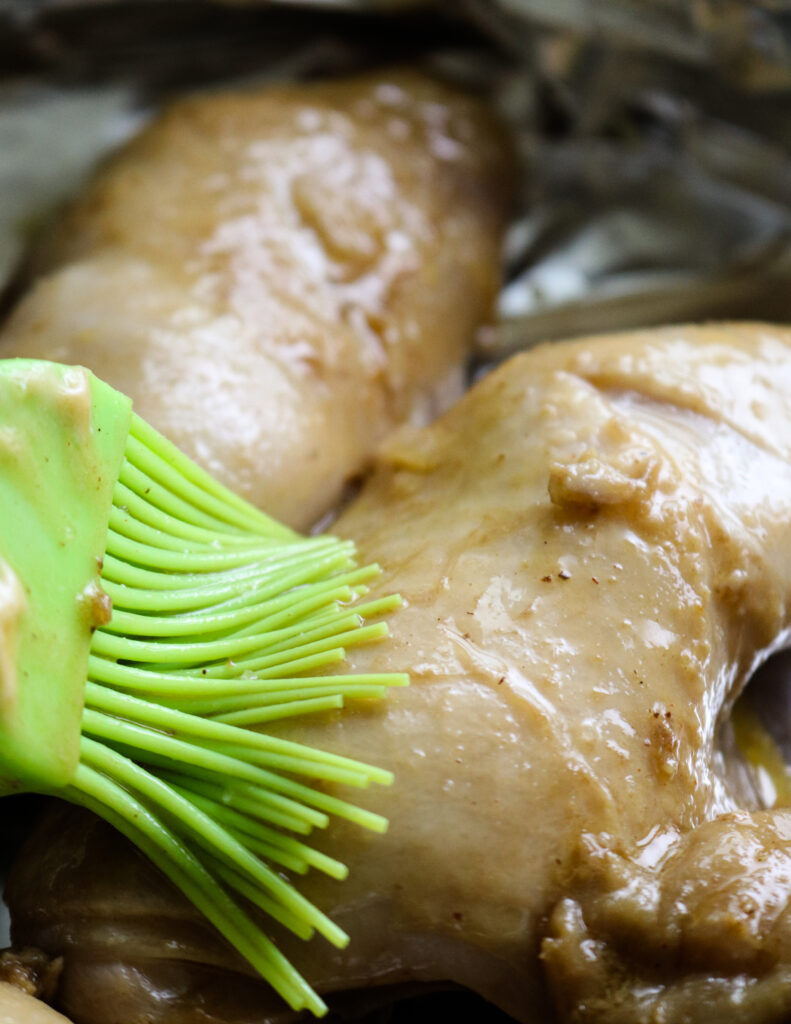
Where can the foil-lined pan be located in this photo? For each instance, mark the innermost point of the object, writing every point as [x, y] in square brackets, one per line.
[655, 135]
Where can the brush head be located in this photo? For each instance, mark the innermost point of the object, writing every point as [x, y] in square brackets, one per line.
[62, 438]
[151, 624]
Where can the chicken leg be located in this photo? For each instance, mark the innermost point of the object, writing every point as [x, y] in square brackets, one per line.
[594, 547]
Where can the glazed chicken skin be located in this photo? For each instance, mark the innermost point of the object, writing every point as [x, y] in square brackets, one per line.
[594, 547]
[279, 276]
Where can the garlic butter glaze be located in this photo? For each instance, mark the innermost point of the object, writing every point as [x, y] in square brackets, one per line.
[594, 547]
[279, 276]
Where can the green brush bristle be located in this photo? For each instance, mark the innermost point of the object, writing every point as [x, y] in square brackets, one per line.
[201, 584]
[221, 619]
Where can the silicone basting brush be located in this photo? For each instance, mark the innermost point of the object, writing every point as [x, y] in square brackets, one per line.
[149, 619]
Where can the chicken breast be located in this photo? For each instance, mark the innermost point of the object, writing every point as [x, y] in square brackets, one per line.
[279, 276]
[594, 547]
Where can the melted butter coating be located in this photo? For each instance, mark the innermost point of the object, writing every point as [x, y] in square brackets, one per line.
[278, 277]
[594, 547]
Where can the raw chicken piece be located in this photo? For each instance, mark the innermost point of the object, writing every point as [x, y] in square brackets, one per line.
[278, 277]
[594, 546]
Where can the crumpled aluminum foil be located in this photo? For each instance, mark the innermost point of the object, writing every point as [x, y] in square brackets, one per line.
[658, 199]
[749, 40]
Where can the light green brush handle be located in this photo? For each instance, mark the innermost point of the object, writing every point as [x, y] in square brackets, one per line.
[151, 622]
[62, 439]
